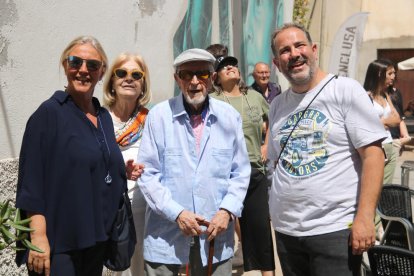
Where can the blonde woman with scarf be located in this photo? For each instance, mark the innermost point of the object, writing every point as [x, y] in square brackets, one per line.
[126, 92]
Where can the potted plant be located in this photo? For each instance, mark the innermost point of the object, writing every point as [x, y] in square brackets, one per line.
[13, 228]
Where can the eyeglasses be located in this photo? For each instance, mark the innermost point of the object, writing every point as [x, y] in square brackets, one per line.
[122, 73]
[188, 75]
[75, 62]
[263, 73]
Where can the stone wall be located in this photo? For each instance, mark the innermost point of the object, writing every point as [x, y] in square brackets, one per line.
[8, 182]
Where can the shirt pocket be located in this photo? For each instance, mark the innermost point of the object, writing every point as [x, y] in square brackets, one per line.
[173, 162]
[221, 163]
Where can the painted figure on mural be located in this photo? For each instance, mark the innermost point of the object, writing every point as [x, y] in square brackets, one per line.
[254, 29]
[258, 23]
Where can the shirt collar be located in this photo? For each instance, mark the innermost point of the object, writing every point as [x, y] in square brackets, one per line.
[179, 109]
[62, 97]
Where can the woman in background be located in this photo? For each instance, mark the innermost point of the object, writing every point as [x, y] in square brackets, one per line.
[380, 75]
[256, 233]
[126, 92]
[400, 133]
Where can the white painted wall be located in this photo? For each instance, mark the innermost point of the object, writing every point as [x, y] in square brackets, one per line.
[389, 25]
[34, 33]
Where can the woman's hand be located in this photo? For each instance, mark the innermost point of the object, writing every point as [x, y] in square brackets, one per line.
[37, 261]
[133, 170]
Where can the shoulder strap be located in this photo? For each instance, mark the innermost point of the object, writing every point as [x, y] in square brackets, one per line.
[301, 115]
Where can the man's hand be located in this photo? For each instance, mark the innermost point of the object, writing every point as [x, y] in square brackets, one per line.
[218, 224]
[363, 228]
[39, 261]
[189, 223]
[133, 170]
[362, 235]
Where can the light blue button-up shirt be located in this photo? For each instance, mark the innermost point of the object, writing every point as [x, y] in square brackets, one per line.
[176, 178]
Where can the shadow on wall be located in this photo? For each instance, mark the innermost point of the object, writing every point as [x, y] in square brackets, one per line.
[7, 125]
[9, 16]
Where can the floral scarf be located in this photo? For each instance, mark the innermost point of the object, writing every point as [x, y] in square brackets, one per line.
[132, 129]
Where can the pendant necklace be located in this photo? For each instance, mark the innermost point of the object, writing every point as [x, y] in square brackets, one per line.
[243, 97]
[108, 177]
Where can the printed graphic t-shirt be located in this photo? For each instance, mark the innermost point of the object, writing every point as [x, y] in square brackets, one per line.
[315, 189]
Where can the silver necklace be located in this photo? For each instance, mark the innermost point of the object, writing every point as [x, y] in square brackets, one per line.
[243, 97]
[108, 177]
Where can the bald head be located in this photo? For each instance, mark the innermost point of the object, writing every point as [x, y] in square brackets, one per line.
[261, 74]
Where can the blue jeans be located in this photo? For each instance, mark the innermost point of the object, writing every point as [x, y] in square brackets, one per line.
[320, 255]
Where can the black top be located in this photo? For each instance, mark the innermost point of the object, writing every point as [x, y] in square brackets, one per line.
[62, 168]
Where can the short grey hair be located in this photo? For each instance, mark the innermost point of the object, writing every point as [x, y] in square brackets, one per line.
[284, 27]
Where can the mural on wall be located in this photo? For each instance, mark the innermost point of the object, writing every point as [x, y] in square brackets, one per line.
[195, 29]
[258, 20]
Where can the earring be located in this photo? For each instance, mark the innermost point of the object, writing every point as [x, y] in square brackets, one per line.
[113, 92]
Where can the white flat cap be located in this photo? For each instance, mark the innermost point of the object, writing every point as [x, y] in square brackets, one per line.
[194, 54]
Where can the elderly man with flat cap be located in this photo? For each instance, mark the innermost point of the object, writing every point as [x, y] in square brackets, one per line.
[196, 172]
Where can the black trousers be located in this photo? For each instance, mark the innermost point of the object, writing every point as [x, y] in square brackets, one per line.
[256, 233]
[84, 262]
[320, 255]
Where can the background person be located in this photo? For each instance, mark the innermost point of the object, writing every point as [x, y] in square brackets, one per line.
[262, 83]
[409, 111]
[256, 233]
[323, 200]
[400, 133]
[380, 75]
[126, 92]
[220, 50]
[71, 171]
[196, 170]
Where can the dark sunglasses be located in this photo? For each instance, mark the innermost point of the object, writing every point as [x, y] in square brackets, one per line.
[188, 75]
[75, 62]
[122, 73]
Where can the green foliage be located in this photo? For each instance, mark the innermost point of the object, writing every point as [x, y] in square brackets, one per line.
[300, 12]
[13, 228]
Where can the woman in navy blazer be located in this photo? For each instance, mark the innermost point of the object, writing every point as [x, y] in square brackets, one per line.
[71, 171]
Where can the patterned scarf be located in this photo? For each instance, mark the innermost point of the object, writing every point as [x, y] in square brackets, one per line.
[131, 131]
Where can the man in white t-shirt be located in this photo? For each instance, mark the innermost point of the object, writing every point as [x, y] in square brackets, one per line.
[329, 175]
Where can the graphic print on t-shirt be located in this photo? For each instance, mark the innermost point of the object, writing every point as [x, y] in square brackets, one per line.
[306, 150]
